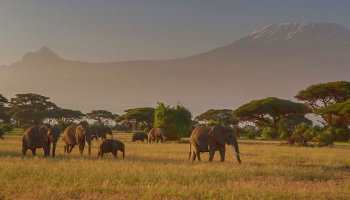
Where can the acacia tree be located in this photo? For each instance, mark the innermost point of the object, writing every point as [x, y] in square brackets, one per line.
[101, 116]
[268, 112]
[30, 108]
[64, 115]
[136, 116]
[4, 111]
[340, 113]
[177, 121]
[222, 116]
[320, 96]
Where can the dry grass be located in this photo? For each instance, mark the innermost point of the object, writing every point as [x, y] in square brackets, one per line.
[162, 171]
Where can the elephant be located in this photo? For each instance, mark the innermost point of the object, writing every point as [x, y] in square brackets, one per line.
[40, 137]
[76, 135]
[54, 134]
[139, 136]
[100, 132]
[111, 146]
[156, 134]
[210, 139]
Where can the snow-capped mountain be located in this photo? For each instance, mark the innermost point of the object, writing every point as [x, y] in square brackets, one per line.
[276, 60]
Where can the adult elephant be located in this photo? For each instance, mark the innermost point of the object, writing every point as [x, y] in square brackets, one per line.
[156, 134]
[210, 139]
[76, 135]
[101, 132]
[40, 137]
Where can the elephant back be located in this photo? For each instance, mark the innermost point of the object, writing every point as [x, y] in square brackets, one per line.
[159, 132]
[69, 135]
[34, 137]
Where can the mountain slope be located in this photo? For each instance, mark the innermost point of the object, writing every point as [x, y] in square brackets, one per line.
[277, 60]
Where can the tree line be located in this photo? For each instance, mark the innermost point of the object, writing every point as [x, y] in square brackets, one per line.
[270, 118]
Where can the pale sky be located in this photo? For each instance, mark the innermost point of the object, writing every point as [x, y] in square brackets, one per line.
[117, 30]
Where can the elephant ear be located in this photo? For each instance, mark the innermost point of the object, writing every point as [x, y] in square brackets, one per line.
[218, 133]
[43, 130]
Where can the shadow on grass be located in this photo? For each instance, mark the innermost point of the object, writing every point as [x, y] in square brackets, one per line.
[258, 143]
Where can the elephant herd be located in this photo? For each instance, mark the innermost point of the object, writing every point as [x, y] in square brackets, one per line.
[42, 137]
[203, 139]
[155, 134]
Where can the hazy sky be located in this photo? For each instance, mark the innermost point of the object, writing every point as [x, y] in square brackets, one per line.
[112, 30]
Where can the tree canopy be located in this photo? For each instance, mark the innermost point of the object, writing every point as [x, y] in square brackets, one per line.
[137, 116]
[65, 115]
[268, 112]
[177, 121]
[30, 108]
[4, 111]
[101, 116]
[322, 95]
[222, 116]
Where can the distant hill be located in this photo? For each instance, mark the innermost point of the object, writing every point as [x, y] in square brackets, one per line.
[276, 60]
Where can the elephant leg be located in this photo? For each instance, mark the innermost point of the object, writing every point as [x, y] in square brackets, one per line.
[193, 156]
[70, 148]
[211, 155]
[197, 152]
[114, 154]
[33, 151]
[66, 147]
[222, 151]
[24, 151]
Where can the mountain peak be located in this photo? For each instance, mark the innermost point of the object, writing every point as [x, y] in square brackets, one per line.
[42, 54]
[300, 32]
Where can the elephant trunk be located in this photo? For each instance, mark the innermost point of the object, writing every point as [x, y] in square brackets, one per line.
[53, 149]
[236, 149]
[123, 152]
[89, 147]
[47, 149]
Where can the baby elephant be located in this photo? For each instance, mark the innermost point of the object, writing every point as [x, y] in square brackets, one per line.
[111, 146]
[139, 136]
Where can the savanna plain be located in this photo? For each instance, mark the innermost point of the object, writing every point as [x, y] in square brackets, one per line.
[163, 171]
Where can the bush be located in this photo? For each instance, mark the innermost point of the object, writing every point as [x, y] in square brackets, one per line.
[269, 133]
[326, 137]
[251, 134]
[6, 127]
[62, 125]
[297, 137]
[182, 141]
[176, 121]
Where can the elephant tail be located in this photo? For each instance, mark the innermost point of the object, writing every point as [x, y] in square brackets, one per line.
[189, 157]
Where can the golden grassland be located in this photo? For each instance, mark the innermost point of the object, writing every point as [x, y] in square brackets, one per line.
[163, 171]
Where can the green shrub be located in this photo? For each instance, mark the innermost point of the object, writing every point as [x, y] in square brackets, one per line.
[62, 125]
[182, 141]
[177, 121]
[6, 127]
[269, 133]
[326, 137]
[251, 134]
